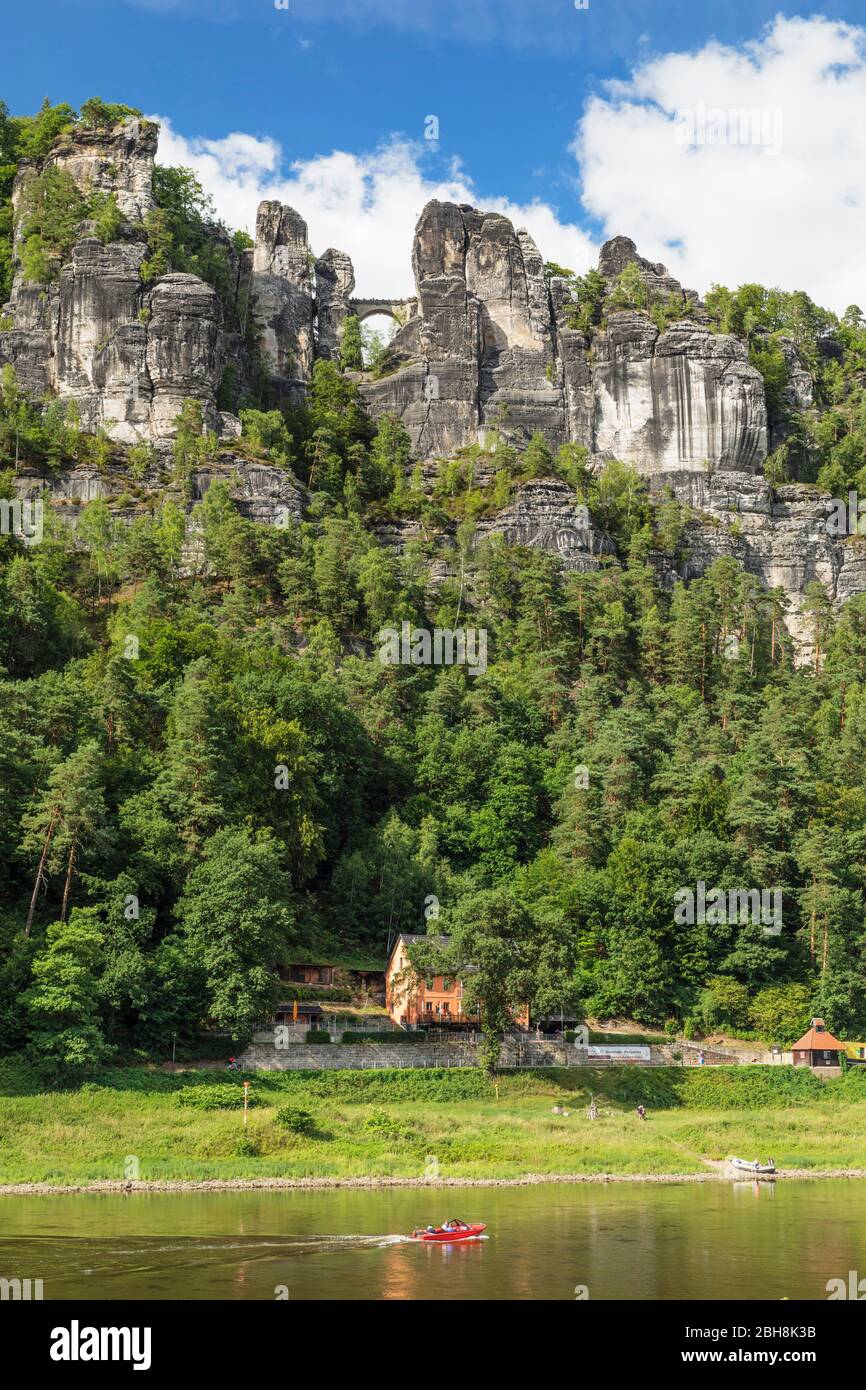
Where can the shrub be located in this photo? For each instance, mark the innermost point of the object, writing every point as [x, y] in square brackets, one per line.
[318, 1035]
[390, 1084]
[298, 1121]
[222, 1096]
[310, 993]
[632, 1039]
[725, 1001]
[780, 1013]
[380, 1124]
[749, 1088]
[98, 114]
[247, 1147]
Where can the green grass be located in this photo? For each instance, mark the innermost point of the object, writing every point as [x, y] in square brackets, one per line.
[410, 1123]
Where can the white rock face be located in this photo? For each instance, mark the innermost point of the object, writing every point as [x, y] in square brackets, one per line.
[184, 349]
[780, 535]
[500, 345]
[676, 401]
[127, 355]
[497, 275]
[100, 343]
[479, 354]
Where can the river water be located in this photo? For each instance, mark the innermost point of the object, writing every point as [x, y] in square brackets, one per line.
[641, 1241]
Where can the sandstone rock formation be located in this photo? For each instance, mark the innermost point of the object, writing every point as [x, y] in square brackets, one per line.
[335, 281]
[543, 514]
[620, 252]
[128, 354]
[677, 401]
[489, 343]
[263, 493]
[479, 354]
[282, 297]
[493, 347]
[781, 535]
[118, 161]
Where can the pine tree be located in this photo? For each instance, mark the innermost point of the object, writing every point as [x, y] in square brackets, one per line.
[67, 820]
[351, 345]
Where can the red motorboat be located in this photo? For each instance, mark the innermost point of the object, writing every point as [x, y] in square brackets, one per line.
[452, 1230]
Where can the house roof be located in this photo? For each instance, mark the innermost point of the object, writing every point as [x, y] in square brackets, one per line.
[409, 939]
[818, 1039]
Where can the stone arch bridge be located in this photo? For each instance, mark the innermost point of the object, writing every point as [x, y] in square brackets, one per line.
[399, 309]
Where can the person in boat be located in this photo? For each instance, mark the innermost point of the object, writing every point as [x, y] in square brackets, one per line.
[455, 1226]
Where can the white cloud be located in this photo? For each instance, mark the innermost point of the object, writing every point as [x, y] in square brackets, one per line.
[788, 209]
[364, 204]
[731, 212]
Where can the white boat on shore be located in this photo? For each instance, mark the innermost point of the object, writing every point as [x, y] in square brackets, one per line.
[755, 1169]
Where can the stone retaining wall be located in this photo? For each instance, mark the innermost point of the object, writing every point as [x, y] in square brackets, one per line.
[464, 1052]
[357, 1056]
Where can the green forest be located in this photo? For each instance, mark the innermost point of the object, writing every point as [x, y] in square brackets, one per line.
[205, 769]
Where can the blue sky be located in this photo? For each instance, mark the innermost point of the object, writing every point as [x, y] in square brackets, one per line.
[513, 84]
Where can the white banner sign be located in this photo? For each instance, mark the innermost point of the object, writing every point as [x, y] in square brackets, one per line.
[636, 1054]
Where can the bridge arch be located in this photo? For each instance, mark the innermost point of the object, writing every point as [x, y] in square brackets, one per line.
[398, 309]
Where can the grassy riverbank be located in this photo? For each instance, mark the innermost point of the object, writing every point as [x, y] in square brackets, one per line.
[407, 1124]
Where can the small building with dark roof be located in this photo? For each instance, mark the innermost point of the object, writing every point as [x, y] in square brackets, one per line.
[304, 1015]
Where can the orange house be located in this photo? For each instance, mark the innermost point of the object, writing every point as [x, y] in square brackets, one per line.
[422, 1003]
[416, 1003]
